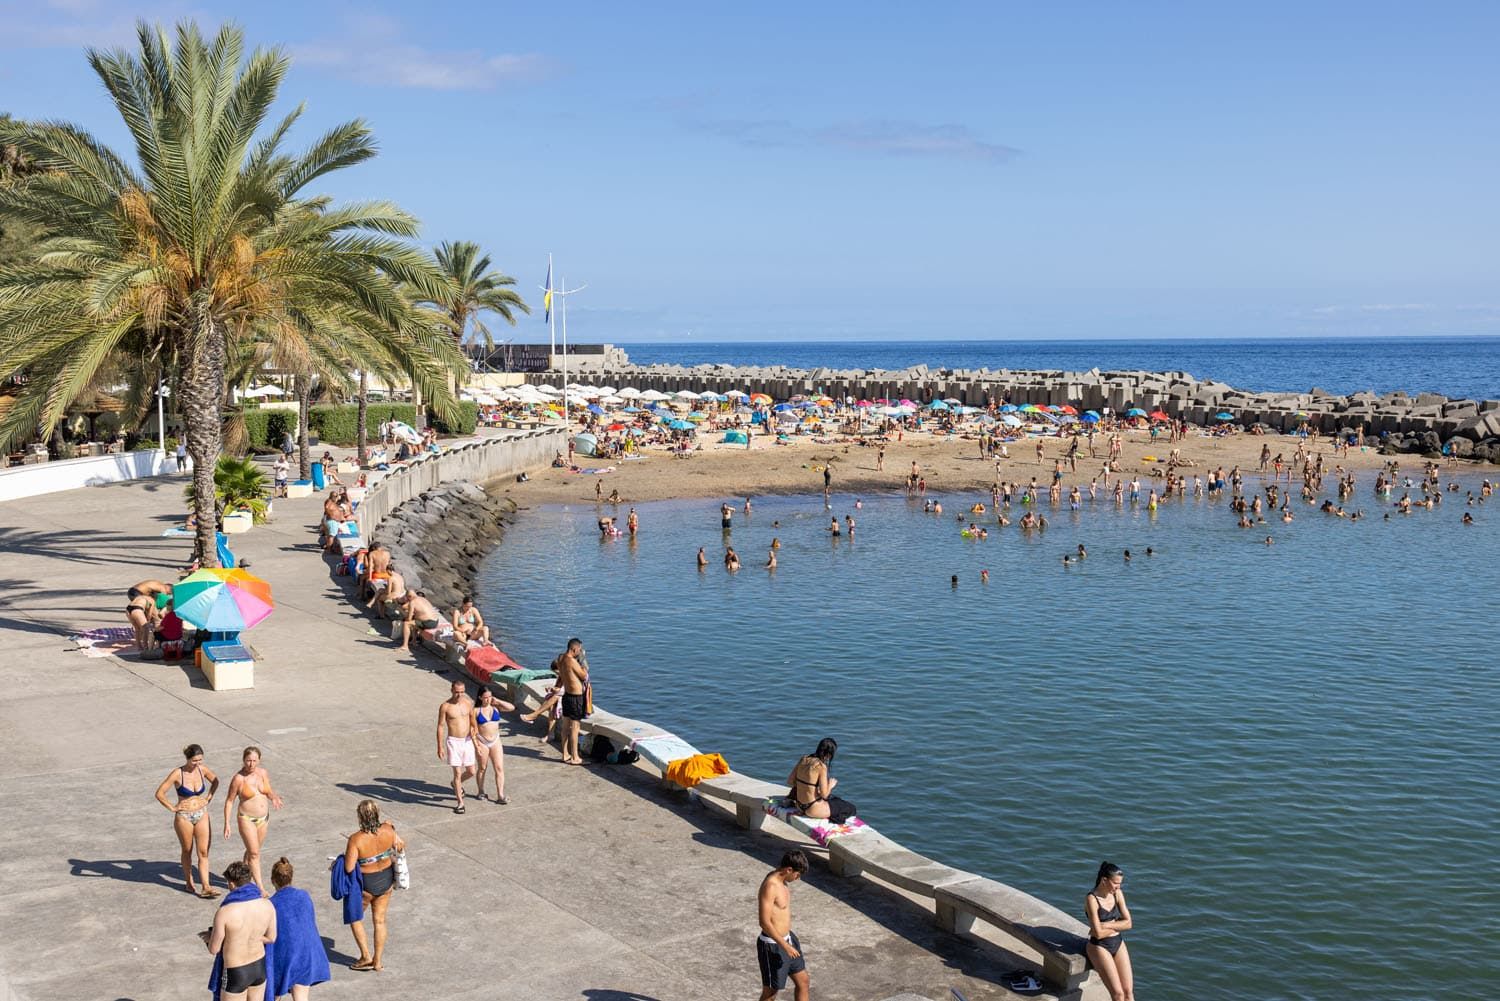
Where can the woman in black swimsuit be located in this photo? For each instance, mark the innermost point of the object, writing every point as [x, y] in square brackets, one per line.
[1108, 916]
[373, 848]
[811, 784]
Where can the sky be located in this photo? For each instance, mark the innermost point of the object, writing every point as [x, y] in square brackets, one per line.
[834, 171]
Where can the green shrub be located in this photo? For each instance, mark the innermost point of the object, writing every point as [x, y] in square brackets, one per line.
[338, 424]
[465, 421]
[264, 428]
[239, 485]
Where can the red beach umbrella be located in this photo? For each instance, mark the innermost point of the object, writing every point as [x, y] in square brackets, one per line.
[1157, 415]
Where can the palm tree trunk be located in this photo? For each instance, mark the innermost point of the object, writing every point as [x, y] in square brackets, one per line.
[200, 399]
[416, 404]
[304, 458]
[362, 435]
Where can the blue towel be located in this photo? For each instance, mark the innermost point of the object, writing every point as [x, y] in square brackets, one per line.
[300, 956]
[348, 887]
[238, 895]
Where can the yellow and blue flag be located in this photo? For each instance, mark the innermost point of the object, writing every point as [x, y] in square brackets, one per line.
[547, 296]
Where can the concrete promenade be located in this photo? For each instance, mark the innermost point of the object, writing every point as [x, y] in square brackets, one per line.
[593, 883]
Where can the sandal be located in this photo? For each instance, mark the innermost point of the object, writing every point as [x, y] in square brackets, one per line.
[363, 965]
[209, 894]
[502, 801]
[459, 808]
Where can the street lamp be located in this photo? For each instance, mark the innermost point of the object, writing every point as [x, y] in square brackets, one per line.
[162, 392]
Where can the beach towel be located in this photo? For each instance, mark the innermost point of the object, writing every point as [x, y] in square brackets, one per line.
[688, 772]
[348, 887]
[484, 662]
[662, 748]
[520, 675]
[238, 895]
[821, 831]
[114, 641]
[298, 949]
[178, 533]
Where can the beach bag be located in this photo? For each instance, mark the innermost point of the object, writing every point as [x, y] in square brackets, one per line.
[588, 700]
[403, 872]
[839, 810]
[601, 749]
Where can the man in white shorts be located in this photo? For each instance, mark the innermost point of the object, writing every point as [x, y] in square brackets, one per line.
[455, 742]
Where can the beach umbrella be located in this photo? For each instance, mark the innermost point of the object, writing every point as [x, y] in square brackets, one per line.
[685, 394]
[681, 425]
[1157, 415]
[696, 416]
[1068, 408]
[1135, 412]
[737, 394]
[606, 391]
[222, 601]
[653, 395]
[594, 408]
[782, 408]
[585, 444]
[759, 398]
[1031, 408]
[617, 427]
[1009, 408]
[1010, 420]
[903, 402]
[952, 402]
[631, 410]
[628, 393]
[1089, 417]
[937, 405]
[1223, 415]
[708, 394]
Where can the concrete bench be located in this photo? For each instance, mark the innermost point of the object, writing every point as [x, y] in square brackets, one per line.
[1059, 937]
[876, 855]
[748, 795]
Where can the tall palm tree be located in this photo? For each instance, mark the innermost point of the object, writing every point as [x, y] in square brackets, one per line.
[205, 241]
[474, 290]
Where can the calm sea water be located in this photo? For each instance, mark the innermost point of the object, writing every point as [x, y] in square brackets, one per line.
[1455, 366]
[1291, 749]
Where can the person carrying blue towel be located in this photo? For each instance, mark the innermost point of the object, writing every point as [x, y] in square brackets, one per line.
[300, 960]
[243, 930]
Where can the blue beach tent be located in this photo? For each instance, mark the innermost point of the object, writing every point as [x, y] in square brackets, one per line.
[735, 438]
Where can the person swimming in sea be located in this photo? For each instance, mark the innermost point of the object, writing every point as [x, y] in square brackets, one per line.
[702, 558]
[1082, 553]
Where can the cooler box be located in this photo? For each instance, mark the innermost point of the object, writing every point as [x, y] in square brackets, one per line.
[237, 523]
[227, 666]
[299, 488]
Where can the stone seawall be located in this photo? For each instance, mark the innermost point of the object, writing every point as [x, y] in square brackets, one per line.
[1422, 423]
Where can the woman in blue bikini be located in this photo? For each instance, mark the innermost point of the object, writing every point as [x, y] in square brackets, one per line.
[195, 786]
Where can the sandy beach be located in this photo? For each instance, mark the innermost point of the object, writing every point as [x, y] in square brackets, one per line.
[951, 464]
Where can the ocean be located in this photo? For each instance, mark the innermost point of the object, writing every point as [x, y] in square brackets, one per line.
[1290, 749]
[1461, 367]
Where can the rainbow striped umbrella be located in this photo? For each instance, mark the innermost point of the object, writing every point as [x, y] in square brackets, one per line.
[222, 600]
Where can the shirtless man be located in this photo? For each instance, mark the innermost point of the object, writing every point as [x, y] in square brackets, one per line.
[573, 678]
[455, 742]
[141, 610]
[377, 567]
[776, 947]
[333, 520]
[242, 930]
[417, 613]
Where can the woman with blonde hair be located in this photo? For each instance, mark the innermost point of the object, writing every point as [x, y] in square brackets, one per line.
[373, 848]
[251, 789]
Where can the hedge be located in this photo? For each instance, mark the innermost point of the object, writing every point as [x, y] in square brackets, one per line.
[338, 424]
[465, 422]
[265, 428]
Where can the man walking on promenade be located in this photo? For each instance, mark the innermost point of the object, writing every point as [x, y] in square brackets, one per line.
[243, 925]
[573, 678]
[776, 947]
[455, 744]
[181, 456]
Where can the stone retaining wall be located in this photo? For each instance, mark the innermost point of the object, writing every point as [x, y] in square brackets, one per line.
[1421, 423]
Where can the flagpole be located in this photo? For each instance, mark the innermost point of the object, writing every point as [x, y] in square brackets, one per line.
[564, 287]
[551, 314]
[561, 291]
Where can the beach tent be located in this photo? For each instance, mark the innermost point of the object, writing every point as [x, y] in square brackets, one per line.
[735, 438]
[585, 444]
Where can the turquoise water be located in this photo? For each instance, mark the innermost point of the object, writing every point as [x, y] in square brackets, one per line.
[1291, 749]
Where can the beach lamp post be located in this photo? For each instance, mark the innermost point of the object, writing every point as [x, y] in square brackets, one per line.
[162, 392]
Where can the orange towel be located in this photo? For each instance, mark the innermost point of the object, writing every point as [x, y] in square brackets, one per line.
[688, 772]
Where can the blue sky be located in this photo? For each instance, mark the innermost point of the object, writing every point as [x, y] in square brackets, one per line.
[872, 170]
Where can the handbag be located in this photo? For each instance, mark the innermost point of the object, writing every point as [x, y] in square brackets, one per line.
[403, 872]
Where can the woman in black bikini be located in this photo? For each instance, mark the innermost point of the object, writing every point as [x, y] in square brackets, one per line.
[1107, 915]
[811, 784]
[373, 848]
[196, 786]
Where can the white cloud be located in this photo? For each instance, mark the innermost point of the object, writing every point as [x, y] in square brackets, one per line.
[372, 51]
[880, 137]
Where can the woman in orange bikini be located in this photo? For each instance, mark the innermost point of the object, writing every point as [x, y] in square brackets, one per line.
[251, 789]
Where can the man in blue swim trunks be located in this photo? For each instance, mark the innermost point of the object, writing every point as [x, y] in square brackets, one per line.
[776, 947]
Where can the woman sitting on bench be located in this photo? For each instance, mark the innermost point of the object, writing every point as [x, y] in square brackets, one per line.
[812, 786]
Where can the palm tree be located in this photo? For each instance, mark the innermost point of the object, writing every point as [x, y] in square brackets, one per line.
[474, 289]
[204, 243]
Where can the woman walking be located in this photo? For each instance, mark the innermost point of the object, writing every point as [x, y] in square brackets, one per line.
[373, 848]
[1107, 915]
[301, 961]
[251, 790]
[486, 731]
[195, 786]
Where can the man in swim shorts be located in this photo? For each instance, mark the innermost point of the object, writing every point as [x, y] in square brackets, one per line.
[417, 613]
[455, 744]
[776, 947]
[573, 679]
[241, 931]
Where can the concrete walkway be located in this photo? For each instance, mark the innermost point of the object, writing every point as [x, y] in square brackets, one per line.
[593, 884]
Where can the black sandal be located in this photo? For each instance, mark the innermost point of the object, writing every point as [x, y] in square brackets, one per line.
[459, 808]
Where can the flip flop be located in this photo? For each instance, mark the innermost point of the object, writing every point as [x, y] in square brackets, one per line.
[459, 809]
[364, 967]
[1023, 983]
[502, 800]
[209, 894]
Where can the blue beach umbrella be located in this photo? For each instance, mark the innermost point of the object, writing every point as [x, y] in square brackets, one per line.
[1010, 420]
[1090, 417]
[937, 405]
[681, 426]
[594, 408]
[631, 410]
[1135, 412]
[782, 407]
[1223, 415]
[1009, 408]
